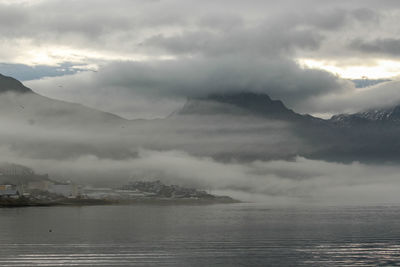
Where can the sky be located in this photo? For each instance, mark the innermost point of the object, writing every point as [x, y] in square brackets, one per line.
[144, 58]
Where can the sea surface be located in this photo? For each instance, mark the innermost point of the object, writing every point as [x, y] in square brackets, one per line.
[212, 235]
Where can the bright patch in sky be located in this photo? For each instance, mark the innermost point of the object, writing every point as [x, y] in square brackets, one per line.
[381, 69]
[56, 55]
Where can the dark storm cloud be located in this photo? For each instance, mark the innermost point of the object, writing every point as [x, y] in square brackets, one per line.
[187, 78]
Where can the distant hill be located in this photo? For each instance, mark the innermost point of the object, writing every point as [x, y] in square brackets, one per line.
[9, 84]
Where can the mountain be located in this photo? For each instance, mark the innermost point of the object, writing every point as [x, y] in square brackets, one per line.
[243, 103]
[262, 128]
[366, 136]
[247, 102]
[35, 126]
[19, 103]
[9, 84]
[389, 116]
[372, 135]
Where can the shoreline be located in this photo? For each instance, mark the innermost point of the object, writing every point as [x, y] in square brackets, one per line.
[20, 203]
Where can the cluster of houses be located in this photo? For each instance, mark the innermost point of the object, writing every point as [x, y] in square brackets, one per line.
[68, 189]
[17, 180]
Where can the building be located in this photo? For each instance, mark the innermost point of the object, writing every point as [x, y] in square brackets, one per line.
[8, 191]
[69, 190]
[42, 185]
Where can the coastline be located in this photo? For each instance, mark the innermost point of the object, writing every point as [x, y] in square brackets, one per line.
[19, 203]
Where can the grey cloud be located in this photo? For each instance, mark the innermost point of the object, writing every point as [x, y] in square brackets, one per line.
[261, 41]
[180, 79]
[181, 27]
[382, 46]
[279, 78]
[366, 14]
[272, 35]
[384, 94]
[221, 21]
[11, 16]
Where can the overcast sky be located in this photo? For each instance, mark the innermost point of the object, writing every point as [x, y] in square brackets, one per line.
[143, 58]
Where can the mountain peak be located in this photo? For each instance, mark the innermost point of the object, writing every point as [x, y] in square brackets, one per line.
[242, 102]
[387, 115]
[9, 84]
[256, 102]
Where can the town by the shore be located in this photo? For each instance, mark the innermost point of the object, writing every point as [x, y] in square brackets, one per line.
[22, 187]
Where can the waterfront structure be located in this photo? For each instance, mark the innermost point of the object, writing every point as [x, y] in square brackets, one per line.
[42, 185]
[8, 191]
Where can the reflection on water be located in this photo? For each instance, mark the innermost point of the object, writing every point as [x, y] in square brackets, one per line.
[225, 235]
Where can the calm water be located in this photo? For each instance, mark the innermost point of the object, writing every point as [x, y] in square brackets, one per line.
[216, 235]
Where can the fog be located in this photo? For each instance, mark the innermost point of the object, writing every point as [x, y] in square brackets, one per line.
[300, 181]
[247, 157]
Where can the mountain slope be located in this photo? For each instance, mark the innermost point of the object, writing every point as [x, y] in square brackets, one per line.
[19, 103]
[38, 127]
[390, 115]
[367, 136]
[9, 84]
[243, 103]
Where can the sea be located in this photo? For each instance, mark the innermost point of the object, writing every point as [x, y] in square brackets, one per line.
[241, 234]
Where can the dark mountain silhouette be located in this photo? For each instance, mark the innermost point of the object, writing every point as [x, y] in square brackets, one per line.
[366, 136]
[9, 84]
[251, 103]
[19, 102]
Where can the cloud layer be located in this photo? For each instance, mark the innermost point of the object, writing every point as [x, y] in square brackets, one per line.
[165, 51]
